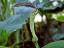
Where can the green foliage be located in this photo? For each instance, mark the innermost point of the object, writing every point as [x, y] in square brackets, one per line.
[60, 18]
[6, 8]
[3, 37]
[3, 47]
[15, 22]
[48, 4]
[11, 25]
[56, 44]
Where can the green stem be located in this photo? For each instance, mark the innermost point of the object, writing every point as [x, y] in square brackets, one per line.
[34, 38]
[37, 45]
[17, 38]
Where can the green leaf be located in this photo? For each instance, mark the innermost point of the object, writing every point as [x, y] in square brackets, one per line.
[3, 37]
[10, 25]
[23, 1]
[3, 47]
[56, 44]
[60, 18]
[48, 4]
[14, 22]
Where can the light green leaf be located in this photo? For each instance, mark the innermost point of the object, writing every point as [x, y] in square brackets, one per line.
[3, 37]
[56, 44]
[3, 47]
[60, 18]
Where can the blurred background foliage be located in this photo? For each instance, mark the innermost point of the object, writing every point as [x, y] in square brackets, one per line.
[31, 23]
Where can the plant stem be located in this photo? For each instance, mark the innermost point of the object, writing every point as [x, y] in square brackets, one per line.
[17, 38]
[34, 38]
